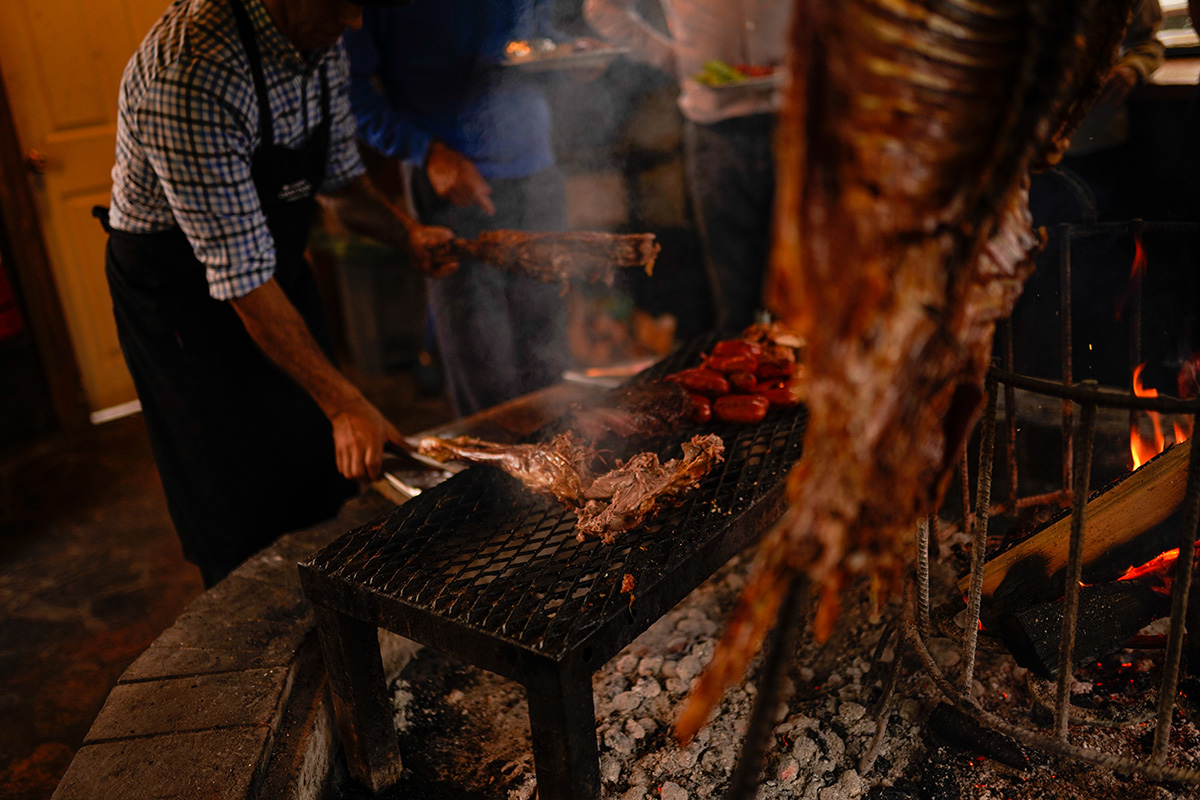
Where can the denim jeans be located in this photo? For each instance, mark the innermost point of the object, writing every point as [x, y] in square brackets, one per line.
[498, 335]
[732, 178]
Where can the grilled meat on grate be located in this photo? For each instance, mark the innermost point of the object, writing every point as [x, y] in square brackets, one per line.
[628, 495]
[902, 235]
[560, 468]
[606, 504]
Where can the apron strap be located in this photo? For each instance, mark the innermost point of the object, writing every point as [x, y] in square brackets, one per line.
[325, 120]
[101, 213]
[246, 34]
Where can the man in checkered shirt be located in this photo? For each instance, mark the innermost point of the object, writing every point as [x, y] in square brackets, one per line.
[233, 123]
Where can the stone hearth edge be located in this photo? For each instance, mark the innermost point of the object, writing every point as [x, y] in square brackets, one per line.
[231, 701]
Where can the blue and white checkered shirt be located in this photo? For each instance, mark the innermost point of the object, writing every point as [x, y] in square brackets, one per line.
[187, 126]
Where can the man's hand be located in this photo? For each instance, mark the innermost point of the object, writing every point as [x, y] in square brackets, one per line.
[454, 178]
[359, 430]
[423, 241]
[359, 433]
[362, 209]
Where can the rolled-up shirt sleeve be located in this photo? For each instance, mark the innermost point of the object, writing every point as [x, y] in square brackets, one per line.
[1140, 48]
[345, 163]
[198, 145]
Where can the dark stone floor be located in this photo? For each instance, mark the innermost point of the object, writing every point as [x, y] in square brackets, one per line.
[91, 573]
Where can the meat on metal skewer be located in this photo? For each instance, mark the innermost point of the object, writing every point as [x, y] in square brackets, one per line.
[556, 257]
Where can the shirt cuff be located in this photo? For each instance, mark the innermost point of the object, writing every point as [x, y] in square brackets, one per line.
[226, 286]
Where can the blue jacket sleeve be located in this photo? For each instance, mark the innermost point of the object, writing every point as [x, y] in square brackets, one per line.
[380, 125]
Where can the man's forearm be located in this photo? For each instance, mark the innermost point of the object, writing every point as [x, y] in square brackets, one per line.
[280, 332]
[359, 430]
[363, 210]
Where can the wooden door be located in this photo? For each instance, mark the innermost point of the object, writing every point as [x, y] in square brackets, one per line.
[62, 62]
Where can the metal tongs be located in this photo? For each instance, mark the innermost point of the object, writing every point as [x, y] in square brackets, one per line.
[409, 472]
[410, 448]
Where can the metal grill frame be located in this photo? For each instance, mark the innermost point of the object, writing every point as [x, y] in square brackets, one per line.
[1078, 442]
[481, 569]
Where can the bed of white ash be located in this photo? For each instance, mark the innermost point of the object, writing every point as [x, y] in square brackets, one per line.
[464, 732]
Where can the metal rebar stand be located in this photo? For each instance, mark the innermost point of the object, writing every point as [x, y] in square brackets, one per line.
[1078, 430]
[1082, 436]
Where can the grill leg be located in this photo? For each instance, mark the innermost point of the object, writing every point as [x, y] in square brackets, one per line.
[360, 701]
[562, 722]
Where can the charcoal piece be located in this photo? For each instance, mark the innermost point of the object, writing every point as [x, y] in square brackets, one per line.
[1110, 614]
[959, 729]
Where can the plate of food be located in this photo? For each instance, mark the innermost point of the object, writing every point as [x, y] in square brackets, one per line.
[721, 75]
[542, 55]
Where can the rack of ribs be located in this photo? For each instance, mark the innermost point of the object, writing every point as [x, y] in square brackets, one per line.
[556, 257]
[902, 234]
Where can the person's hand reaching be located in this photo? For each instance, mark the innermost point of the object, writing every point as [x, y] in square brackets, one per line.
[454, 178]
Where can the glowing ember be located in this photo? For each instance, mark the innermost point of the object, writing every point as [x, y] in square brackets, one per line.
[1140, 448]
[1159, 569]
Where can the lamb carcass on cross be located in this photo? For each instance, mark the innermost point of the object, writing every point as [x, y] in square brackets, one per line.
[902, 235]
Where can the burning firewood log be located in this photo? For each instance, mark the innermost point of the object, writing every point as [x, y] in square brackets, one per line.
[959, 729]
[556, 257]
[902, 235]
[1110, 614]
[1123, 518]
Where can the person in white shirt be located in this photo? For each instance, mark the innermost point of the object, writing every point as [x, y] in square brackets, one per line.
[727, 129]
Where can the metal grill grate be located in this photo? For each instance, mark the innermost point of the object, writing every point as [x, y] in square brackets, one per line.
[481, 552]
[484, 570]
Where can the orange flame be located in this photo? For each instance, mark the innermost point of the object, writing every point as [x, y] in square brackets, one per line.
[1136, 273]
[1140, 448]
[1183, 430]
[1159, 567]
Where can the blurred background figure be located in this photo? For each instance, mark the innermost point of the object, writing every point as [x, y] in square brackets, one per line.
[1111, 174]
[427, 88]
[1100, 162]
[729, 121]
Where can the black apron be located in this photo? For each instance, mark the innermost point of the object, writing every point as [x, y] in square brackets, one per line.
[243, 452]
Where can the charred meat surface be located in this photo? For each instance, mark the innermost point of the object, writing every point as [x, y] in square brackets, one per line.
[606, 504]
[902, 235]
[556, 257]
[627, 496]
[560, 468]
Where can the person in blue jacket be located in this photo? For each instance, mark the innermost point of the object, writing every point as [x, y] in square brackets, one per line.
[428, 88]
